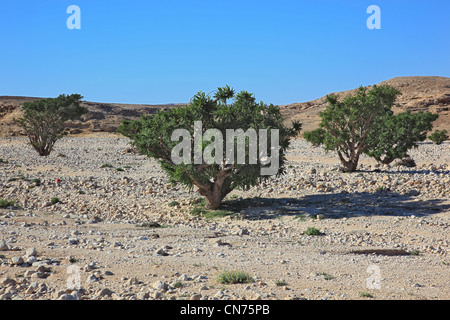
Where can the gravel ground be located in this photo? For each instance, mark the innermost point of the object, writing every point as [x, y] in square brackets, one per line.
[120, 231]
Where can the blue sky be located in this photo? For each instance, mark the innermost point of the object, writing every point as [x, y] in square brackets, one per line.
[152, 52]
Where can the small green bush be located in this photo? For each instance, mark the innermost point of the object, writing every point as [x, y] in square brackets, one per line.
[173, 203]
[311, 231]
[36, 181]
[232, 277]
[438, 136]
[54, 200]
[280, 283]
[6, 203]
[365, 295]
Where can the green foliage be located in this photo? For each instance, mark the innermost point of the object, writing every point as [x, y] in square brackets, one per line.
[54, 200]
[365, 294]
[152, 134]
[173, 203]
[4, 203]
[346, 124]
[232, 277]
[280, 283]
[316, 137]
[44, 120]
[365, 123]
[311, 231]
[394, 135]
[439, 136]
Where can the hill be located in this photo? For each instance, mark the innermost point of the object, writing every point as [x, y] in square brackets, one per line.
[418, 94]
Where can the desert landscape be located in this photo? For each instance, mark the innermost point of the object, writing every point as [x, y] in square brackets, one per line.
[97, 220]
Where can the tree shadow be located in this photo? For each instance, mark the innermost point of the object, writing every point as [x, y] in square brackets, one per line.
[405, 171]
[337, 206]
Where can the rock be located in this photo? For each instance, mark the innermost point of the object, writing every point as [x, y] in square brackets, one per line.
[7, 281]
[320, 216]
[39, 275]
[133, 281]
[73, 241]
[196, 296]
[31, 260]
[3, 246]
[255, 296]
[92, 278]
[160, 285]
[142, 296]
[162, 252]
[31, 252]
[183, 277]
[28, 273]
[68, 297]
[243, 232]
[17, 261]
[105, 292]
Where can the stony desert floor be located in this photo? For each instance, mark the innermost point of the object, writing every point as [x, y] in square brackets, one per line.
[118, 230]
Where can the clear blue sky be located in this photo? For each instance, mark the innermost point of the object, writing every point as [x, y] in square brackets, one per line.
[153, 52]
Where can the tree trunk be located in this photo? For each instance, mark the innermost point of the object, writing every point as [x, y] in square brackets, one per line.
[215, 193]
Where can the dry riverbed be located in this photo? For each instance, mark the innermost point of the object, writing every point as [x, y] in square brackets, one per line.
[112, 227]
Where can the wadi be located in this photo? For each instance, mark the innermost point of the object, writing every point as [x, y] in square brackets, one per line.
[101, 218]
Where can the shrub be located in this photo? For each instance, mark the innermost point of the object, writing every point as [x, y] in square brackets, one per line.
[280, 283]
[394, 135]
[54, 200]
[173, 203]
[6, 203]
[438, 136]
[232, 277]
[44, 120]
[311, 231]
[365, 123]
[218, 174]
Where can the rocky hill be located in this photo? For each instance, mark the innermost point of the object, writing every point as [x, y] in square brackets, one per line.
[102, 117]
[418, 94]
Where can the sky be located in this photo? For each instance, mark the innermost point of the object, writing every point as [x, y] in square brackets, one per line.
[154, 52]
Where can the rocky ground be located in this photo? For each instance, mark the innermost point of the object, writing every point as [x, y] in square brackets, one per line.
[112, 227]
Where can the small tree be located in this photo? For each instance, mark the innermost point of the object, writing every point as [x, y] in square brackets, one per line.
[394, 135]
[44, 120]
[201, 124]
[438, 136]
[347, 124]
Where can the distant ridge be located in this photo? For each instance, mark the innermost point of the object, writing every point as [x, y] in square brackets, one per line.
[419, 93]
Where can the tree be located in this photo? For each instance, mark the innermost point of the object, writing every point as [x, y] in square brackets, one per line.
[394, 135]
[438, 136]
[44, 120]
[214, 165]
[347, 125]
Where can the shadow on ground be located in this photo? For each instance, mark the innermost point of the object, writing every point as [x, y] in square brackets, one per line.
[337, 205]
